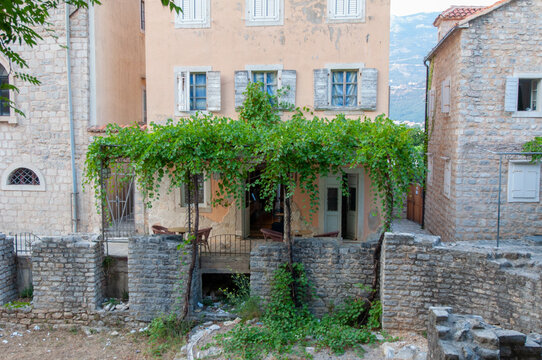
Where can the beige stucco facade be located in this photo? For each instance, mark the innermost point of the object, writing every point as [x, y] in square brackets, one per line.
[480, 59]
[305, 40]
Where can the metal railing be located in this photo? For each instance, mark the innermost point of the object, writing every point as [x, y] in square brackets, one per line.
[22, 243]
[226, 245]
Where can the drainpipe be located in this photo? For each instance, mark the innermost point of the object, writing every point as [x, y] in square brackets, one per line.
[74, 197]
[426, 139]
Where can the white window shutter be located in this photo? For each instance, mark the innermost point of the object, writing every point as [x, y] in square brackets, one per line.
[511, 94]
[321, 89]
[369, 89]
[445, 96]
[431, 107]
[447, 178]
[288, 81]
[187, 9]
[430, 169]
[353, 7]
[183, 100]
[258, 8]
[198, 9]
[241, 81]
[271, 9]
[213, 91]
[339, 7]
[524, 182]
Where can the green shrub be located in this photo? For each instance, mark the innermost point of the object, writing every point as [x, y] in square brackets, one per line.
[237, 296]
[28, 293]
[166, 332]
[250, 309]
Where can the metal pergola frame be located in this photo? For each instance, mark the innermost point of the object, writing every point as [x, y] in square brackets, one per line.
[501, 154]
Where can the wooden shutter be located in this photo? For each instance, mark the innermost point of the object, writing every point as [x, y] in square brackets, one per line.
[524, 182]
[213, 91]
[511, 94]
[431, 105]
[369, 89]
[288, 85]
[445, 96]
[241, 81]
[182, 91]
[321, 89]
[447, 178]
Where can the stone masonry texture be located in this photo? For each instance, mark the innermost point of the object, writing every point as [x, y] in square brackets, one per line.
[334, 268]
[68, 274]
[157, 276]
[464, 337]
[502, 285]
[8, 271]
[478, 59]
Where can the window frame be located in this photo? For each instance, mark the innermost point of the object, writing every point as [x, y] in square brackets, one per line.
[142, 15]
[523, 113]
[332, 17]
[276, 20]
[11, 118]
[510, 197]
[5, 186]
[358, 67]
[206, 195]
[178, 70]
[344, 85]
[181, 23]
[192, 93]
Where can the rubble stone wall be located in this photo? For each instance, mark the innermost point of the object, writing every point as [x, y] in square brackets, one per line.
[420, 272]
[461, 337]
[68, 274]
[157, 276]
[8, 270]
[334, 268]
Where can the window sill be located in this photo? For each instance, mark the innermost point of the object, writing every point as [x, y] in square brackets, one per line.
[345, 20]
[23, 188]
[194, 25]
[343, 110]
[9, 119]
[527, 114]
[274, 22]
[192, 113]
[203, 208]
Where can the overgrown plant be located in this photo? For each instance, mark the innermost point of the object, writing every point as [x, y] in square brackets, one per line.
[534, 146]
[166, 332]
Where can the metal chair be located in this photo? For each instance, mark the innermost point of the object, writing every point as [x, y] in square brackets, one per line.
[329, 234]
[161, 230]
[203, 237]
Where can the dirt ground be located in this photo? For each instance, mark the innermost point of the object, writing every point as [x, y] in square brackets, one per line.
[50, 344]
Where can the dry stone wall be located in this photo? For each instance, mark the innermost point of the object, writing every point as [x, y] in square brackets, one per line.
[334, 268]
[499, 284]
[157, 276]
[68, 274]
[464, 337]
[8, 270]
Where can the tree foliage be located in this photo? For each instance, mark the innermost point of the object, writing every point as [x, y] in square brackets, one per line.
[534, 145]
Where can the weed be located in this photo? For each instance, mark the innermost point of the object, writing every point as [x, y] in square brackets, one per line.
[167, 332]
[112, 301]
[240, 293]
[16, 304]
[125, 296]
[250, 309]
[28, 293]
[207, 302]
[74, 330]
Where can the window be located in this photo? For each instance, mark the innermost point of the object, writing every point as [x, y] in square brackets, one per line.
[346, 10]
[144, 105]
[523, 95]
[345, 87]
[197, 89]
[142, 14]
[447, 177]
[523, 181]
[430, 169]
[273, 77]
[204, 189]
[4, 92]
[195, 14]
[17, 177]
[264, 12]
[445, 96]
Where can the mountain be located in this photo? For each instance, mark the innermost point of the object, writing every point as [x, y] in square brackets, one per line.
[411, 39]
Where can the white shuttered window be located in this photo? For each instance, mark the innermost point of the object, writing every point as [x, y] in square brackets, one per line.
[264, 12]
[445, 96]
[195, 13]
[523, 182]
[447, 178]
[346, 10]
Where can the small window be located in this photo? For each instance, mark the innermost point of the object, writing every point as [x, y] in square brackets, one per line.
[194, 14]
[332, 199]
[23, 176]
[198, 91]
[268, 80]
[203, 190]
[447, 178]
[264, 12]
[528, 95]
[523, 182]
[344, 88]
[4, 92]
[429, 169]
[445, 96]
[142, 14]
[346, 10]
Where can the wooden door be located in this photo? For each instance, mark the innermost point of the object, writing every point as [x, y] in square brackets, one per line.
[415, 204]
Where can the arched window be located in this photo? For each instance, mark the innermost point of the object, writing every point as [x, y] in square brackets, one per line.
[4, 92]
[23, 176]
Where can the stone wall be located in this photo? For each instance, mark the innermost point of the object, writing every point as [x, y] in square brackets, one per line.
[476, 278]
[68, 274]
[8, 290]
[157, 276]
[462, 337]
[334, 268]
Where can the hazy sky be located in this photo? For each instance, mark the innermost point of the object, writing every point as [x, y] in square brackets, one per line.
[406, 7]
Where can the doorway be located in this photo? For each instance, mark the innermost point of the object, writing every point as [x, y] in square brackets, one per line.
[340, 210]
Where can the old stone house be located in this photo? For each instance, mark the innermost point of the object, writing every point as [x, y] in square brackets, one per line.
[333, 55]
[101, 80]
[484, 97]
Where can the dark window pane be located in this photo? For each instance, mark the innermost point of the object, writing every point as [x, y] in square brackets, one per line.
[332, 199]
[4, 93]
[524, 94]
[352, 199]
[201, 196]
[23, 176]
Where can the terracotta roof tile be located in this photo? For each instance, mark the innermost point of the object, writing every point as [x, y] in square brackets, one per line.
[460, 12]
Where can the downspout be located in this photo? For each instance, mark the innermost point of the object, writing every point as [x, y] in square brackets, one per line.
[74, 200]
[426, 140]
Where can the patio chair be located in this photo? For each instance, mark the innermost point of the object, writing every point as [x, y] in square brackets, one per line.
[161, 230]
[272, 235]
[203, 237]
[329, 234]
